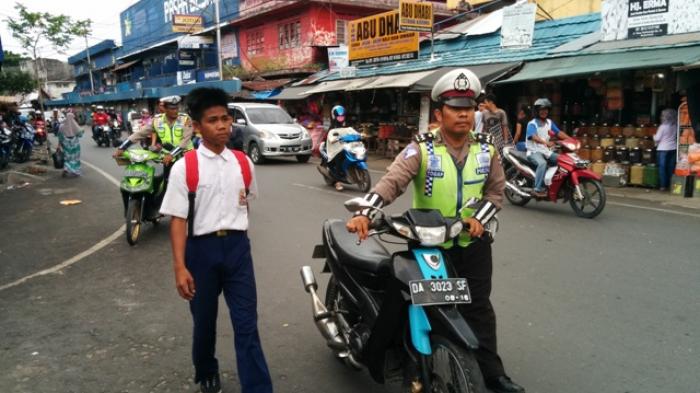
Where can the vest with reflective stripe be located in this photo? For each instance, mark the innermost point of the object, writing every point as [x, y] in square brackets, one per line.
[168, 135]
[440, 185]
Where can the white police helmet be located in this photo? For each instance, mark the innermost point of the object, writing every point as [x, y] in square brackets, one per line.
[171, 100]
[458, 88]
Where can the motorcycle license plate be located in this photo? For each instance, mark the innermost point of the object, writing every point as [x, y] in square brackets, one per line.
[440, 292]
[135, 174]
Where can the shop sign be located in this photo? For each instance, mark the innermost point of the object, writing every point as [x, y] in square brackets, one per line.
[187, 23]
[377, 39]
[193, 42]
[348, 72]
[338, 58]
[415, 16]
[185, 77]
[629, 19]
[518, 26]
[229, 46]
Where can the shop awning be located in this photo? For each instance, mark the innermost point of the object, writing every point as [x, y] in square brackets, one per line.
[293, 93]
[126, 65]
[485, 72]
[395, 81]
[340, 85]
[601, 62]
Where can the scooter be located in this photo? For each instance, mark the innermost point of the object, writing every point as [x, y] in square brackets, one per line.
[142, 188]
[396, 314]
[570, 180]
[23, 139]
[102, 135]
[344, 159]
[5, 145]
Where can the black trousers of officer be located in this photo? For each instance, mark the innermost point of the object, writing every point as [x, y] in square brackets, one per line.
[475, 264]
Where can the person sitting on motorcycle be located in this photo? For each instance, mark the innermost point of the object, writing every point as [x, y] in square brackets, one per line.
[99, 119]
[448, 167]
[538, 144]
[171, 127]
[337, 121]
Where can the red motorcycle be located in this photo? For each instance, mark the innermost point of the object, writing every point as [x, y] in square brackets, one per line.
[570, 180]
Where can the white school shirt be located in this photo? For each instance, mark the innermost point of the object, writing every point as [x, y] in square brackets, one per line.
[218, 205]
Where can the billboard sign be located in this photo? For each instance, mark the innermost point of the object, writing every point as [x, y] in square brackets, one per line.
[629, 19]
[187, 23]
[377, 39]
[338, 58]
[415, 16]
[518, 26]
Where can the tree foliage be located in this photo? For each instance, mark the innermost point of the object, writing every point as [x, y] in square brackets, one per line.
[12, 59]
[16, 82]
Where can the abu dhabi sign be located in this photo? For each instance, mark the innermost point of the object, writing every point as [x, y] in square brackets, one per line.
[629, 19]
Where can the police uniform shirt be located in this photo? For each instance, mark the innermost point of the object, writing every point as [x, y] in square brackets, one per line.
[221, 202]
[145, 132]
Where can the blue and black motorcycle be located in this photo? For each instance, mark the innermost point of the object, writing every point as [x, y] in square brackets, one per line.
[344, 159]
[396, 314]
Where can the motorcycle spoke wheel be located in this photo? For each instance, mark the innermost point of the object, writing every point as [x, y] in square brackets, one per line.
[362, 179]
[513, 176]
[453, 369]
[593, 201]
[133, 221]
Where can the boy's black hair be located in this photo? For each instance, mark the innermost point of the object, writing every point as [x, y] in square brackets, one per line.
[203, 98]
[490, 97]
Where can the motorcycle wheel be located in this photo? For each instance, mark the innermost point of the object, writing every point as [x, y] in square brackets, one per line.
[453, 369]
[303, 158]
[513, 176]
[362, 178]
[255, 154]
[335, 304]
[593, 201]
[133, 221]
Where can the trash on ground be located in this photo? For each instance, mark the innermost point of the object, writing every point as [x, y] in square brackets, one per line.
[69, 202]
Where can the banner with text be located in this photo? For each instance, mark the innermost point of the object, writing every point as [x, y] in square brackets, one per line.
[377, 39]
[415, 16]
[518, 26]
[629, 19]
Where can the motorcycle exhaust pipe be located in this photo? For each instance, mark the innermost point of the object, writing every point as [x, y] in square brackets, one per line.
[322, 317]
[517, 190]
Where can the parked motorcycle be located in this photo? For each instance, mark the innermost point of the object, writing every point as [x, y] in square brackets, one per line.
[570, 180]
[344, 159]
[23, 140]
[5, 145]
[396, 314]
[103, 135]
[142, 188]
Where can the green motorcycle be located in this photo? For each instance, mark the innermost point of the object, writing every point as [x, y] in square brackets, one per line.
[142, 189]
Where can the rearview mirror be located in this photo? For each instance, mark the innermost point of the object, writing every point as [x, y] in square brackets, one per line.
[357, 204]
[241, 122]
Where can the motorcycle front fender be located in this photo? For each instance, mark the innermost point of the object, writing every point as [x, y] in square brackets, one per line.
[449, 318]
[584, 174]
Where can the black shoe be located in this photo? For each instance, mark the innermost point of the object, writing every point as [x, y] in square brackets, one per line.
[211, 384]
[503, 384]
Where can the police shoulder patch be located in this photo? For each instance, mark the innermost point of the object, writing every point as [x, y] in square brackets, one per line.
[482, 137]
[424, 137]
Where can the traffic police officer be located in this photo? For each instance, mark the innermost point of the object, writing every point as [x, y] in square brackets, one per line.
[170, 126]
[454, 167]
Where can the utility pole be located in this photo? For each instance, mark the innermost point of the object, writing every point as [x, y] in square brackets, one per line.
[89, 64]
[218, 40]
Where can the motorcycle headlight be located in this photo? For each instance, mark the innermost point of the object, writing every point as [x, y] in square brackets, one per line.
[431, 236]
[138, 157]
[455, 229]
[403, 230]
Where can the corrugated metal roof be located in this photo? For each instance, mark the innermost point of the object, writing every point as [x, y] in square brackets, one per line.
[486, 49]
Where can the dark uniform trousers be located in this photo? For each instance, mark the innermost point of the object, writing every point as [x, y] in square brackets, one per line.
[474, 263]
[225, 264]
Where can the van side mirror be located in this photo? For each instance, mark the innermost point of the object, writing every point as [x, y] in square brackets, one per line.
[241, 122]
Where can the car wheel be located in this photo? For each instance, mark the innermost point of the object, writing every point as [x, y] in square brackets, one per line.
[303, 158]
[255, 154]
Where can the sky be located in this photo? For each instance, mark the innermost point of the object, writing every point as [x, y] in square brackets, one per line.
[104, 16]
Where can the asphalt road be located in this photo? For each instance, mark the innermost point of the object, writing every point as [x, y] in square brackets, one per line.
[604, 305]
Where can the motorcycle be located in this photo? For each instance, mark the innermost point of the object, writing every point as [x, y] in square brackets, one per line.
[103, 135]
[23, 140]
[142, 188]
[570, 180]
[40, 134]
[396, 314]
[344, 159]
[5, 145]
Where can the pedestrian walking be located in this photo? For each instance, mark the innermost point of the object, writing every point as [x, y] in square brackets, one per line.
[208, 200]
[69, 134]
[495, 123]
[666, 138]
[521, 128]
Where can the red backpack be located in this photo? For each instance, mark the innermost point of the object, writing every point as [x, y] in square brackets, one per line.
[192, 179]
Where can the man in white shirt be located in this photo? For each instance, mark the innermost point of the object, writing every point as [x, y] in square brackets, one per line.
[215, 255]
[538, 143]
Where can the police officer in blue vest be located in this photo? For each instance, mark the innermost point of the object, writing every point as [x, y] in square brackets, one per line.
[449, 167]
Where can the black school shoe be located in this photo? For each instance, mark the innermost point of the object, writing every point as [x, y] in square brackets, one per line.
[211, 384]
[503, 384]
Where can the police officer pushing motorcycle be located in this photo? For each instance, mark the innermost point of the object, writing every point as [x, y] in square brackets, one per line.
[458, 172]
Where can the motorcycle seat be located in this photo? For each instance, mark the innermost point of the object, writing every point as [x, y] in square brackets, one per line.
[370, 255]
[521, 156]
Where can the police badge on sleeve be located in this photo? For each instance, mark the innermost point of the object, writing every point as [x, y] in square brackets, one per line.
[435, 167]
[483, 163]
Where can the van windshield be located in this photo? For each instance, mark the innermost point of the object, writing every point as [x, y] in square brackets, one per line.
[269, 116]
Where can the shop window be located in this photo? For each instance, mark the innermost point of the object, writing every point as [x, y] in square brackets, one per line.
[256, 42]
[290, 35]
[341, 27]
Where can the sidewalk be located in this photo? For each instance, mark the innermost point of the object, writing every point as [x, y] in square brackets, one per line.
[664, 199]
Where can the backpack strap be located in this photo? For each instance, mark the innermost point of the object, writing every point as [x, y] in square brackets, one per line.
[245, 168]
[192, 179]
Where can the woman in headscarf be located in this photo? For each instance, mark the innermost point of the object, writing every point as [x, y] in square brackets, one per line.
[69, 134]
[665, 139]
